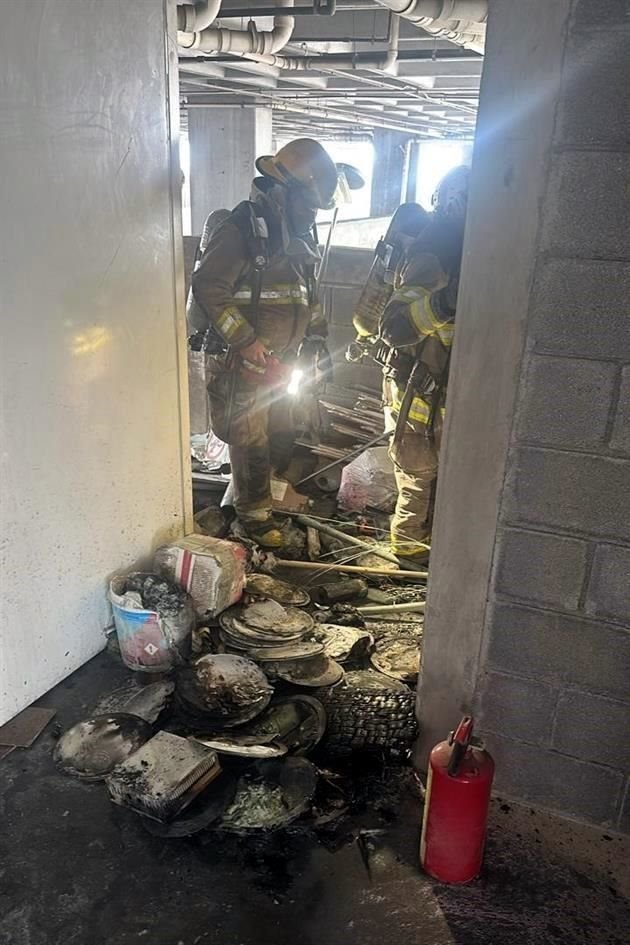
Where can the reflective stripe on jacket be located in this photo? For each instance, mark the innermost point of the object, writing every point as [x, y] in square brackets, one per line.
[413, 319]
[223, 286]
[413, 314]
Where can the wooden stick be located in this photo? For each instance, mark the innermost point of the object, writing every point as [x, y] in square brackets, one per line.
[416, 606]
[351, 569]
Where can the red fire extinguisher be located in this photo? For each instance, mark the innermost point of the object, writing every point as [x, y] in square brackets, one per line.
[456, 807]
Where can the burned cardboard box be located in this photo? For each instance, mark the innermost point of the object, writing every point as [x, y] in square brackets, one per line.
[164, 776]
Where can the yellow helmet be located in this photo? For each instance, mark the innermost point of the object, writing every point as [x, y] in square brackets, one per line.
[304, 163]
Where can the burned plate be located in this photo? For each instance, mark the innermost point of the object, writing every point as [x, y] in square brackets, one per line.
[244, 746]
[150, 701]
[265, 586]
[270, 795]
[229, 690]
[199, 720]
[399, 659]
[373, 680]
[238, 630]
[295, 723]
[290, 652]
[311, 727]
[317, 673]
[344, 643]
[91, 749]
[270, 616]
[266, 637]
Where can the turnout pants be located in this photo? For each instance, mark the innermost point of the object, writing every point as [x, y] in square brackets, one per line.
[415, 467]
[250, 419]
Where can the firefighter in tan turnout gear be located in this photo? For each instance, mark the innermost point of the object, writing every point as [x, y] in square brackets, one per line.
[254, 289]
[414, 339]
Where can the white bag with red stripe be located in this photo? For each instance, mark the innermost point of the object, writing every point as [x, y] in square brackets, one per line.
[212, 570]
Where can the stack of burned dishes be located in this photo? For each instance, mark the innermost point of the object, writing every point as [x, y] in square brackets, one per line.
[280, 639]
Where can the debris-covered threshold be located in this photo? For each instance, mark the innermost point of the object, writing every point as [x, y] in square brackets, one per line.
[262, 694]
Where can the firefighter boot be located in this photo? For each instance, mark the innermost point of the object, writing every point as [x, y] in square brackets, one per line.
[276, 534]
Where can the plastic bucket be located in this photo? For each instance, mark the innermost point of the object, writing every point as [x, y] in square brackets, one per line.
[149, 643]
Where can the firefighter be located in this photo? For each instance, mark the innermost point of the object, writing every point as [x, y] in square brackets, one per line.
[412, 343]
[418, 325]
[255, 290]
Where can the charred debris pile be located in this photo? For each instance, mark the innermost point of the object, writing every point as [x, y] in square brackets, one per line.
[256, 686]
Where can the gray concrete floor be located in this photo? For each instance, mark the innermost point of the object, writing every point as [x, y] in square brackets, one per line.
[75, 870]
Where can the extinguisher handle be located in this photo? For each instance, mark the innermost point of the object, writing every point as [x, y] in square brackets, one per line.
[460, 741]
[457, 756]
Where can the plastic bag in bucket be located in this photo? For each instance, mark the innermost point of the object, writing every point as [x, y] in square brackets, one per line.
[149, 642]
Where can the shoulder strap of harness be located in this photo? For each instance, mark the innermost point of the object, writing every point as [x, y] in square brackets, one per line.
[249, 219]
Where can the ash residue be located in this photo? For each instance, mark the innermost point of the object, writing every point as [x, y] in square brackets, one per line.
[159, 594]
[345, 615]
[256, 805]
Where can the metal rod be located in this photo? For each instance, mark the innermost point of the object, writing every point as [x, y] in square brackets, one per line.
[325, 9]
[309, 522]
[352, 569]
[323, 266]
[344, 459]
[317, 9]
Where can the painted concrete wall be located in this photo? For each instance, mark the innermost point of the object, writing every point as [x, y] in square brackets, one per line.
[224, 143]
[92, 474]
[528, 619]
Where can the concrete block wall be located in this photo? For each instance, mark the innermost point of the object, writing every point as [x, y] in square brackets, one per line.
[554, 690]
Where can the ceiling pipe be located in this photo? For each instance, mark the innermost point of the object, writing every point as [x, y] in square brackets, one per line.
[418, 124]
[192, 18]
[475, 11]
[247, 42]
[460, 21]
[416, 117]
[404, 55]
[383, 61]
[335, 114]
[327, 8]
